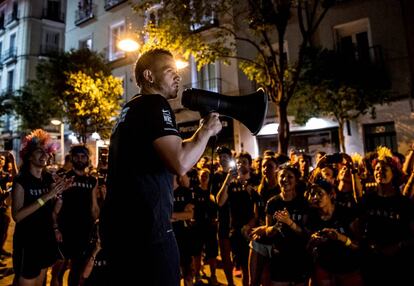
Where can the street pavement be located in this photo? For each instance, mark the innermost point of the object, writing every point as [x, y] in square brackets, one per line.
[6, 273]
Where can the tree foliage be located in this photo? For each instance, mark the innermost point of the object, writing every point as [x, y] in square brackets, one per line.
[46, 97]
[92, 102]
[340, 87]
[35, 111]
[260, 25]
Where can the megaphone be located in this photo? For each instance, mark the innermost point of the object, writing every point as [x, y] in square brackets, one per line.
[248, 109]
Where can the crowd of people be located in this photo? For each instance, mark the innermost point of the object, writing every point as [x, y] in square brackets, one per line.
[156, 209]
[291, 220]
[280, 220]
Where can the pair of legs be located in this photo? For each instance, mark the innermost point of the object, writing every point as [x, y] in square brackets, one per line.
[225, 253]
[259, 264]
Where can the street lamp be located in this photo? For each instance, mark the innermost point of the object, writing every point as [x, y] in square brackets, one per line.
[181, 64]
[62, 138]
[130, 45]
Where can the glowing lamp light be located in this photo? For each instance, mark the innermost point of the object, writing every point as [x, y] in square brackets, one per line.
[269, 129]
[56, 122]
[181, 64]
[128, 45]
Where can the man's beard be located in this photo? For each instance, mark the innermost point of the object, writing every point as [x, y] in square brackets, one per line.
[80, 166]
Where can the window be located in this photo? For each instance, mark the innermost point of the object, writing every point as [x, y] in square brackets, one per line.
[2, 18]
[10, 54]
[380, 134]
[51, 42]
[353, 40]
[12, 44]
[13, 15]
[116, 33]
[206, 78]
[53, 11]
[53, 7]
[10, 81]
[85, 12]
[86, 43]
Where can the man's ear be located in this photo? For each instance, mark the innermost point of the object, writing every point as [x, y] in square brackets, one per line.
[148, 76]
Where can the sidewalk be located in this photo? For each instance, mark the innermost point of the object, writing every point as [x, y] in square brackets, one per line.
[7, 275]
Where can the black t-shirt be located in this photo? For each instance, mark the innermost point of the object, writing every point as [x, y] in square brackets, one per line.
[288, 240]
[75, 214]
[205, 210]
[37, 227]
[139, 198]
[265, 193]
[182, 197]
[387, 219]
[332, 254]
[75, 217]
[241, 204]
[289, 260]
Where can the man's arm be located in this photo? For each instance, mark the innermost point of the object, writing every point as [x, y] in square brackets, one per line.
[95, 210]
[180, 156]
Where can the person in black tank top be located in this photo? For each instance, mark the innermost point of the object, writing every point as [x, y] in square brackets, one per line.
[76, 212]
[33, 193]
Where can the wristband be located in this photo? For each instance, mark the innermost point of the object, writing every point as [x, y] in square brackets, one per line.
[348, 242]
[40, 201]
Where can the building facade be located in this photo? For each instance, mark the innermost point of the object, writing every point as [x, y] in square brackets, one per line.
[29, 32]
[376, 30]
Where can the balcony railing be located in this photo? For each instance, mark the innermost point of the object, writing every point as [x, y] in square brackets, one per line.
[9, 56]
[84, 14]
[50, 50]
[213, 84]
[54, 15]
[109, 4]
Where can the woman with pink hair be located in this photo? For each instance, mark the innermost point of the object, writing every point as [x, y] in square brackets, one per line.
[33, 193]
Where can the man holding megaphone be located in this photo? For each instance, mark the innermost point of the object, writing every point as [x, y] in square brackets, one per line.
[145, 150]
